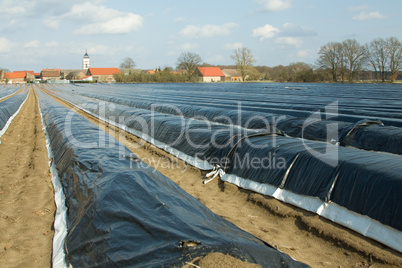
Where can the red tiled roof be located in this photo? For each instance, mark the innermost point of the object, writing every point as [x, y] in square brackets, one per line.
[211, 71]
[14, 75]
[104, 71]
[30, 72]
[151, 71]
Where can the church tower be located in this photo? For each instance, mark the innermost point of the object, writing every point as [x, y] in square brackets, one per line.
[86, 61]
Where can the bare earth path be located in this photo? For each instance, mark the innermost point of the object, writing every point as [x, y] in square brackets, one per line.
[26, 194]
[304, 236]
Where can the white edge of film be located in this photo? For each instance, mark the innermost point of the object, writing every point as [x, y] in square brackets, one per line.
[60, 221]
[362, 224]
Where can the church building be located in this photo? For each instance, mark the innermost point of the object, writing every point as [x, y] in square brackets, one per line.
[86, 61]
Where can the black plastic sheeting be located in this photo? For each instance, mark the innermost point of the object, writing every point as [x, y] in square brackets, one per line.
[10, 106]
[365, 182]
[122, 213]
[290, 119]
[355, 101]
[8, 90]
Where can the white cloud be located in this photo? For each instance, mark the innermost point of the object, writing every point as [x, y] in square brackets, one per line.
[32, 44]
[232, 46]
[369, 16]
[97, 19]
[265, 32]
[125, 24]
[10, 7]
[209, 30]
[288, 40]
[274, 5]
[5, 45]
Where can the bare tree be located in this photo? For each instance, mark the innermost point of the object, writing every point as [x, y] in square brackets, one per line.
[188, 61]
[394, 53]
[376, 56]
[331, 57]
[353, 54]
[243, 59]
[127, 63]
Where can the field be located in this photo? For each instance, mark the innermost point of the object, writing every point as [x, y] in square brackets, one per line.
[97, 186]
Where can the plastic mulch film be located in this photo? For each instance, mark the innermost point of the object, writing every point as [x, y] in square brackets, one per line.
[121, 212]
[10, 108]
[356, 188]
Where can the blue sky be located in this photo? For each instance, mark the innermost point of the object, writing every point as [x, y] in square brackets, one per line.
[39, 34]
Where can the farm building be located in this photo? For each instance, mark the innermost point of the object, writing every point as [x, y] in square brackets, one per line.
[20, 76]
[232, 75]
[210, 74]
[103, 75]
[50, 74]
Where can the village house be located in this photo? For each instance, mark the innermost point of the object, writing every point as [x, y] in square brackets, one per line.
[232, 75]
[103, 75]
[50, 74]
[19, 77]
[210, 74]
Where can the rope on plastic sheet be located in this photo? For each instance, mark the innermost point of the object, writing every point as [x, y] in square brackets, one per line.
[221, 171]
[362, 123]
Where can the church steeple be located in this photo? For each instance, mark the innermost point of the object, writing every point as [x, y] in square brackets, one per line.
[86, 61]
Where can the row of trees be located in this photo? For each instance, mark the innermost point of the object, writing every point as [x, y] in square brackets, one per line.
[345, 59]
[165, 75]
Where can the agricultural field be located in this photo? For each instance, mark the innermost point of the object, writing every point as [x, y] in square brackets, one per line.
[235, 174]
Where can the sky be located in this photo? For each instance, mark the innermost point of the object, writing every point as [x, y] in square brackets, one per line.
[38, 34]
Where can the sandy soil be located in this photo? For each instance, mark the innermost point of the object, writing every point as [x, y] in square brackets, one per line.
[304, 236]
[26, 194]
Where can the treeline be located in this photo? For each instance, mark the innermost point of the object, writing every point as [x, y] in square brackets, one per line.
[346, 60]
[160, 76]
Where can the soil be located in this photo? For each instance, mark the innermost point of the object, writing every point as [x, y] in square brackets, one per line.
[303, 235]
[26, 195]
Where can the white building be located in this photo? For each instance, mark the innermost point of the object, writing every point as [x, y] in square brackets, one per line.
[86, 62]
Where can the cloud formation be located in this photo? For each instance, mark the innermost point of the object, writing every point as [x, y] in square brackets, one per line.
[206, 31]
[290, 34]
[274, 5]
[289, 40]
[369, 16]
[91, 16]
[103, 20]
[265, 32]
[10, 7]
